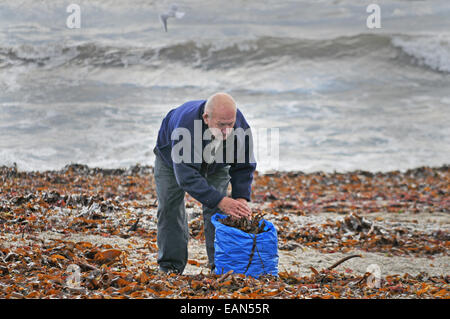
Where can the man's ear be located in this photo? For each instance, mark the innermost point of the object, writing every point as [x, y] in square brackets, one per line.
[205, 117]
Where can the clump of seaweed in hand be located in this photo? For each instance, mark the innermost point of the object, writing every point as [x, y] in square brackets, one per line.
[255, 225]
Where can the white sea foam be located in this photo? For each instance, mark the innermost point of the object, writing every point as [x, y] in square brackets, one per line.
[432, 51]
[342, 97]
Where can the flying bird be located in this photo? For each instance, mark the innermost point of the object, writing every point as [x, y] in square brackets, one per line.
[172, 13]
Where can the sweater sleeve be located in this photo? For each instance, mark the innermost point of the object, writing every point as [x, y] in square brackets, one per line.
[191, 181]
[241, 172]
[241, 180]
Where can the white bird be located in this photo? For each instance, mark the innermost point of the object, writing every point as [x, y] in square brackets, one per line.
[172, 13]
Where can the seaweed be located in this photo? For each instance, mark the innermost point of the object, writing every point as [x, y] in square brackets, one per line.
[255, 225]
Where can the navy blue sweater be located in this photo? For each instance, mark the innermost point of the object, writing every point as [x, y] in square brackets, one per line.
[191, 176]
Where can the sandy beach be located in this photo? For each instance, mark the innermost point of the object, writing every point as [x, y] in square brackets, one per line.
[398, 221]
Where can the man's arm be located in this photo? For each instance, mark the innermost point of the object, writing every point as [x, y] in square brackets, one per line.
[241, 180]
[242, 168]
[191, 181]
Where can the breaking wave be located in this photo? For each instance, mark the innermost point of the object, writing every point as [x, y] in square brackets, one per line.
[432, 52]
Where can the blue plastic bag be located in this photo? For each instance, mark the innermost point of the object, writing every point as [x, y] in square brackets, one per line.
[233, 250]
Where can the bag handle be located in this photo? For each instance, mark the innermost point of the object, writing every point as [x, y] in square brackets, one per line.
[252, 254]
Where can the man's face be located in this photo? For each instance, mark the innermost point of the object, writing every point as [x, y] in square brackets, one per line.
[220, 122]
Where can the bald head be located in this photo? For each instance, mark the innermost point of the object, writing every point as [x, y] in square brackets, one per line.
[220, 113]
[219, 103]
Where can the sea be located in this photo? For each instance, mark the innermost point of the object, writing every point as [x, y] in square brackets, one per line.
[336, 85]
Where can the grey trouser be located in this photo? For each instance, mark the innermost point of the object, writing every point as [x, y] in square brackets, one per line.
[173, 232]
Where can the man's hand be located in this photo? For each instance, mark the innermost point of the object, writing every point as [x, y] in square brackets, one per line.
[243, 201]
[235, 207]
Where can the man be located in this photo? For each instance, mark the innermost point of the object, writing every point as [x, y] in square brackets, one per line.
[204, 175]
